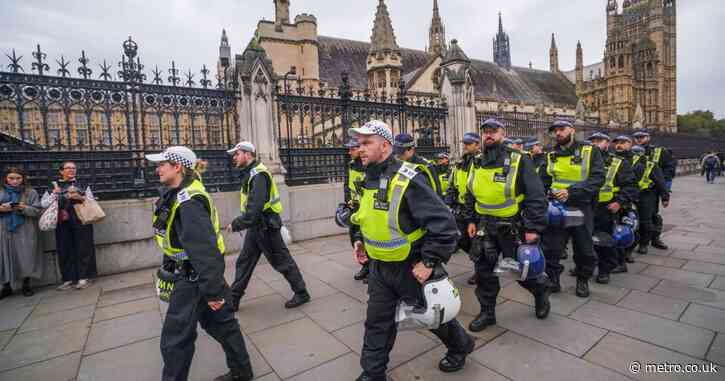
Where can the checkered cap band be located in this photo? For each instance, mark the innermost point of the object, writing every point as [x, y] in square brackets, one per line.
[178, 154]
[170, 156]
[375, 127]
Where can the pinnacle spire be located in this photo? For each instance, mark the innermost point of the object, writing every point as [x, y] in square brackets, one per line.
[225, 40]
[501, 46]
[553, 41]
[436, 33]
[383, 37]
[500, 24]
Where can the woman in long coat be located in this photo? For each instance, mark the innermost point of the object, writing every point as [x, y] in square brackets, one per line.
[20, 252]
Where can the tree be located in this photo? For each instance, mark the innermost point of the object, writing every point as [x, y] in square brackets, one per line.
[701, 123]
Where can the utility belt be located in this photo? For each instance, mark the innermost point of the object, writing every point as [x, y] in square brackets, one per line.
[489, 227]
[270, 221]
[171, 272]
[495, 225]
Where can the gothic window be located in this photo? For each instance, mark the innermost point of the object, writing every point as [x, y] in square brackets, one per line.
[215, 130]
[612, 62]
[56, 122]
[81, 127]
[621, 62]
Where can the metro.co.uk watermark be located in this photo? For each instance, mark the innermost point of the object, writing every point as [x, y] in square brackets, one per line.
[637, 367]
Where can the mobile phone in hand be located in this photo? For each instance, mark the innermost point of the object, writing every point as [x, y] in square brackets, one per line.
[14, 204]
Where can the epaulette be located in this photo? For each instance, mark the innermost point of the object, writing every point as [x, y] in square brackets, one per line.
[408, 170]
[183, 196]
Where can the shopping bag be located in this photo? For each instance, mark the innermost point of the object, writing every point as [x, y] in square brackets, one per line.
[89, 212]
[49, 219]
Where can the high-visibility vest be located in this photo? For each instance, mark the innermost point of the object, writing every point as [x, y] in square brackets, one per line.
[353, 176]
[568, 170]
[444, 180]
[378, 218]
[459, 178]
[608, 190]
[645, 182]
[274, 203]
[425, 168]
[495, 188]
[163, 237]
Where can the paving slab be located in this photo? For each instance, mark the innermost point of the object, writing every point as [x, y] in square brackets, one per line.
[606, 293]
[124, 295]
[618, 352]
[126, 280]
[482, 337]
[520, 358]
[346, 367]
[557, 331]
[138, 361]
[55, 319]
[705, 317]
[706, 296]
[633, 281]
[123, 330]
[425, 368]
[718, 283]
[210, 362]
[265, 312]
[661, 260]
[61, 368]
[5, 337]
[12, 318]
[562, 303]
[662, 306]
[128, 308]
[68, 300]
[44, 344]
[704, 267]
[681, 276]
[298, 346]
[335, 311]
[717, 258]
[316, 288]
[716, 353]
[677, 336]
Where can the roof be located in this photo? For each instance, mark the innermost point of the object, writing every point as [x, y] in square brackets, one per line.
[515, 84]
[591, 72]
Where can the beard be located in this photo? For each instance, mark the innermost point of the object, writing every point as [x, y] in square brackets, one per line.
[564, 141]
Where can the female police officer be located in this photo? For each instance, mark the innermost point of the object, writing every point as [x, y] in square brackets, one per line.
[186, 226]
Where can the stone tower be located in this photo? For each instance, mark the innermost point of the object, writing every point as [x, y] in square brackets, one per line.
[384, 60]
[501, 46]
[281, 13]
[553, 56]
[579, 67]
[436, 33]
[225, 55]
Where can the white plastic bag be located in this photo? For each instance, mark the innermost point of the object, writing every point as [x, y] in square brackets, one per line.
[49, 219]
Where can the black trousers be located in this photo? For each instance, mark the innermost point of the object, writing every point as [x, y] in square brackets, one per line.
[268, 242]
[497, 241]
[464, 241]
[607, 257]
[648, 207]
[178, 335]
[76, 251]
[388, 284]
[554, 244]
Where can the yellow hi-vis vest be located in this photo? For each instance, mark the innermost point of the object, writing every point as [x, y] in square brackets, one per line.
[444, 179]
[568, 170]
[424, 168]
[608, 190]
[657, 155]
[645, 182]
[459, 178]
[163, 237]
[379, 220]
[495, 188]
[274, 204]
[353, 176]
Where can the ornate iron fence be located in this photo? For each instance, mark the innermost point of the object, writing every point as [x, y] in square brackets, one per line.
[313, 125]
[106, 126]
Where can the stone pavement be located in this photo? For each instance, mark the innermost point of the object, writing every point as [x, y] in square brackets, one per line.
[670, 308]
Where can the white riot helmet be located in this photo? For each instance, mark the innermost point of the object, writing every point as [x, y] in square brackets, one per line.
[442, 303]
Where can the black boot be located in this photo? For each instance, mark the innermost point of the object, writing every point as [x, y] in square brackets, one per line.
[642, 249]
[367, 377]
[484, 319]
[554, 285]
[6, 291]
[582, 287]
[245, 374]
[541, 302]
[454, 362]
[602, 278]
[298, 299]
[362, 274]
[27, 291]
[472, 280]
[658, 244]
[619, 269]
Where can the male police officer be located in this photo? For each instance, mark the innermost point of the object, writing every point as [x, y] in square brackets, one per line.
[617, 195]
[407, 231]
[664, 159]
[443, 169]
[517, 144]
[456, 196]
[623, 148]
[652, 189]
[261, 208]
[574, 174]
[405, 150]
[354, 173]
[536, 151]
[506, 201]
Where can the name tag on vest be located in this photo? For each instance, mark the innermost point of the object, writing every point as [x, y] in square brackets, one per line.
[379, 205]
[499, 178]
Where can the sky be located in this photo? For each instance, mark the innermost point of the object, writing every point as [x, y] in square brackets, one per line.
[188, 32]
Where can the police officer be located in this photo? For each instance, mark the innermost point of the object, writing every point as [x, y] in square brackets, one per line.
[187, 231]
[261, 207]
[456, 196]
[536, 152]
[443, 169]
[574, 174]
[617, 194]
[652, 188]
[517, 144]
[354, 173]
[405, 150]
[664, 159]
[407, 231]
[506, 201]
[623, 148]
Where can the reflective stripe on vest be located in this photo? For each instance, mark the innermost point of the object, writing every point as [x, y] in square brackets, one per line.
[163, 238]
[608, 190]
[657, 155]
[565, 172]
[645, 182]
[444, 179]
[380, 227]
[460, 181]
[424, 168]
[496, 195]
[274, 204]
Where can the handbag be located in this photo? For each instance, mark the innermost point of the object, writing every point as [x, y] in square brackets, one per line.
[89, 212]
[49, 219]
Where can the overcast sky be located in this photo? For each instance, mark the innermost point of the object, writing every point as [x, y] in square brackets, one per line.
[188, 32]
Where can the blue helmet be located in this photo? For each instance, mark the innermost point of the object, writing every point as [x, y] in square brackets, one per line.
[342, 216]
[556, 214]
[623, 236]
[562, 217]
[531, 261]
[631, 219]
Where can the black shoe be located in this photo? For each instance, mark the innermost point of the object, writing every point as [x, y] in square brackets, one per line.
[642, 249]
[367, 377]
[298, 300]
[572, 272]
[541, 301]
[619, 269]
[472, 280]
[455, 362]
[27, 291]
[6, 291]
[554, 287]
[658, 244]
[362, 274]
[237, 375]
[602, 278]
[582, 287]
[484, 319]
[628, 258]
